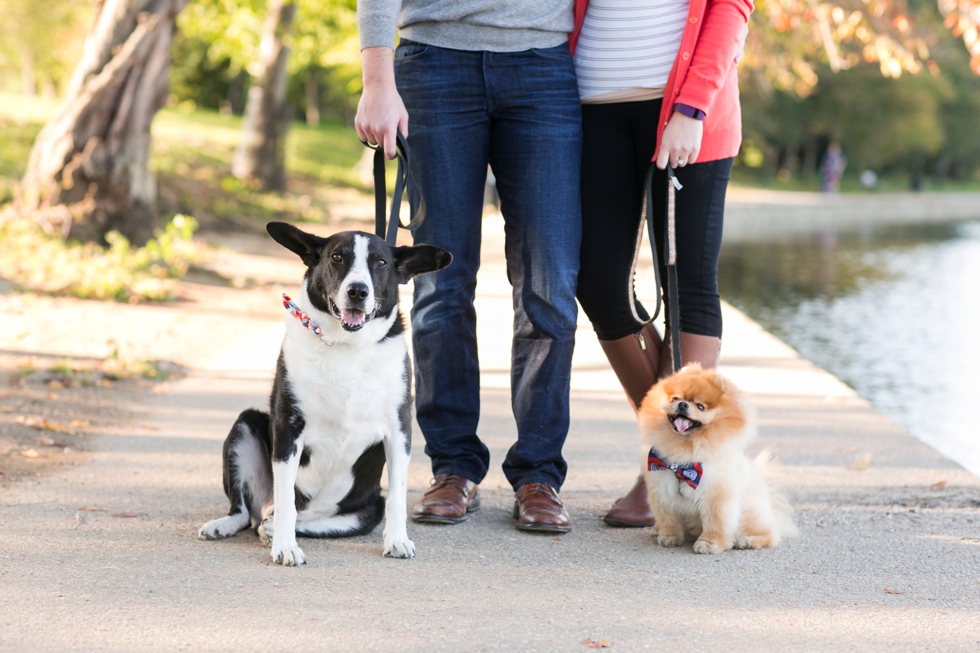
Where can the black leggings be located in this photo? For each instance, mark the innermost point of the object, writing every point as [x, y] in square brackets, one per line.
[619, 141]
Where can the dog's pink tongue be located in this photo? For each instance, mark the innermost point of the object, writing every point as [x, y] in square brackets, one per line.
[353, 317]
[682, 424]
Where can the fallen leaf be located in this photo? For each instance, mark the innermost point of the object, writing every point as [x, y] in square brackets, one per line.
[45, 441]
[78, 424]
[6, 409]
[591, 643]
[888, 590]
[52, 396]
[125, 515]
[68, 450]
[55, 385]
[151, 428]
[861, 462]
[33, 421]
[30, 453]
[940, 485]
[106, 383]
[91, 509]
[78, 521]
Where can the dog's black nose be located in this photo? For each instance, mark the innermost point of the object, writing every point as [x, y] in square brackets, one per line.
[683, 406]
[357, 291]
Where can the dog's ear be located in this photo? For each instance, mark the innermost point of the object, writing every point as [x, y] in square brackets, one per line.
[410, 262]
[306, 246]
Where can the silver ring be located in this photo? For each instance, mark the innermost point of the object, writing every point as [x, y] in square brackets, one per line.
[682, 162]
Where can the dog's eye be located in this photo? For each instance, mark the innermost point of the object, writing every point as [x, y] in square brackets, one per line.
[673, 399]
[700, 406]
[381, 262]
[337, 257]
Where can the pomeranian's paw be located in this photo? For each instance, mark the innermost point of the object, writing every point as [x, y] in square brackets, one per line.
[709, 546]
[670, 540]
[755, 541]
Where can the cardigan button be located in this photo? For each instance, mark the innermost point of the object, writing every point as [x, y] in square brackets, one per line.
[685, 56]
[694, 19]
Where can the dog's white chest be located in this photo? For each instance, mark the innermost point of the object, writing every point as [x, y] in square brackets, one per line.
[345, 392]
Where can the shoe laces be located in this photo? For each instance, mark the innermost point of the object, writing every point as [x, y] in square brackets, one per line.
[442, 481]
[544, 488]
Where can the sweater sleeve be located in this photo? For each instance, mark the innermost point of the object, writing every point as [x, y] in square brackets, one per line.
[719, 42]
[377, 21]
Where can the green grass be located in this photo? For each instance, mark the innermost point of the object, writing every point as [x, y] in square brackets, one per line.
[192, 154]
[746, 177]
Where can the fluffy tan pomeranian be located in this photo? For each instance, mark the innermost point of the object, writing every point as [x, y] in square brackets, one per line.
[695, 426]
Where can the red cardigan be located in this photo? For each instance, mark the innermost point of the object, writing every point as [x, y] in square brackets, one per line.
[705, 73]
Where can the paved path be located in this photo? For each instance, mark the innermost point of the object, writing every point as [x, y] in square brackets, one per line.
[909, 522]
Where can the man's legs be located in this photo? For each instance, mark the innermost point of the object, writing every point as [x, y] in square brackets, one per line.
[535, 152]
[449, 131]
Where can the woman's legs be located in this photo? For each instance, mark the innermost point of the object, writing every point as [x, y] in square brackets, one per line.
[619, 142]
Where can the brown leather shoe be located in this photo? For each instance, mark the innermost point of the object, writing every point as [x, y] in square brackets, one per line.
[631, 511]
[538, 508]
[449, 500]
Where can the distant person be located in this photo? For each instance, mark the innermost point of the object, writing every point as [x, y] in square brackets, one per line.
[658, 81]
[832, 169]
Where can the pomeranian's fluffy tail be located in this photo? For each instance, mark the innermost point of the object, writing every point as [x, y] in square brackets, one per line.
[781, 509]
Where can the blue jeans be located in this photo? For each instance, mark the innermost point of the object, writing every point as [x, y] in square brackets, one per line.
[519, 112]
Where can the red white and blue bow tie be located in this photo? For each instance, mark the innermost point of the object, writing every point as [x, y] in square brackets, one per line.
[690, 473]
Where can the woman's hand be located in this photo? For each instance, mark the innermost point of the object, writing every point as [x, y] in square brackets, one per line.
[681, 141]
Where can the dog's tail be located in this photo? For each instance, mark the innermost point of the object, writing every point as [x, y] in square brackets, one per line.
[781, 508]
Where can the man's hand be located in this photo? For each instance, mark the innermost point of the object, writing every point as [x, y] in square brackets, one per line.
[681, 141]
[381, 113]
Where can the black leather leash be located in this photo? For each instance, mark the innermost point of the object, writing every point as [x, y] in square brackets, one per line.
[670, 255]
[407, 171]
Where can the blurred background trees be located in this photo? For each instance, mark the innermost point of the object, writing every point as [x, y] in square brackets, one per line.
[894, 82]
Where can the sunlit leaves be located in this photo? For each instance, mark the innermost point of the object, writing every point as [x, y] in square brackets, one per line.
[963, 18]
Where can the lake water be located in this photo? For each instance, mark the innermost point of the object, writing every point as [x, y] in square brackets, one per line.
[894, 313]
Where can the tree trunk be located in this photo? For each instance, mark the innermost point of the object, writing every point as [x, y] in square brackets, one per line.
[312, 99]
[88, 171]
[260, 155]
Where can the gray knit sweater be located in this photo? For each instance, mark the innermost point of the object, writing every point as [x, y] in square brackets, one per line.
[495, 25]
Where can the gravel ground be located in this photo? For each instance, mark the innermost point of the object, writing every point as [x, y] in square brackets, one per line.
[103, 555]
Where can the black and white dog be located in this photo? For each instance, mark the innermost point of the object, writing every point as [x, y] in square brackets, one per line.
[340, 404]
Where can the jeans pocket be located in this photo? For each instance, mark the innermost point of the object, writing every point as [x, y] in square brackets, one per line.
[557, 53]
[408, 49]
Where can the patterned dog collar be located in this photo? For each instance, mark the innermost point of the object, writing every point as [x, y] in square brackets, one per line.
[690, 473]
[303, 318]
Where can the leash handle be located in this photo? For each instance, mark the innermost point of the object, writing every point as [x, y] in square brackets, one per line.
[407, 172]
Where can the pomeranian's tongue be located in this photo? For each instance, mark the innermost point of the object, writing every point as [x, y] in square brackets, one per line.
[352, 316]
[682, 424]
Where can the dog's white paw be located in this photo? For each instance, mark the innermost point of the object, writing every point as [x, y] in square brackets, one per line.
[217, 529]
[404, 548]
[670, 540]
[707, 546]
[288, 555]
[266, 531]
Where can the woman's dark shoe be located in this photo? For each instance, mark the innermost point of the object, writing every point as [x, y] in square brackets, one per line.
[449, 500]
[538, 508]
[631, 511]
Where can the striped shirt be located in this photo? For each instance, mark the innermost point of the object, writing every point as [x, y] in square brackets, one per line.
[627, 48]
